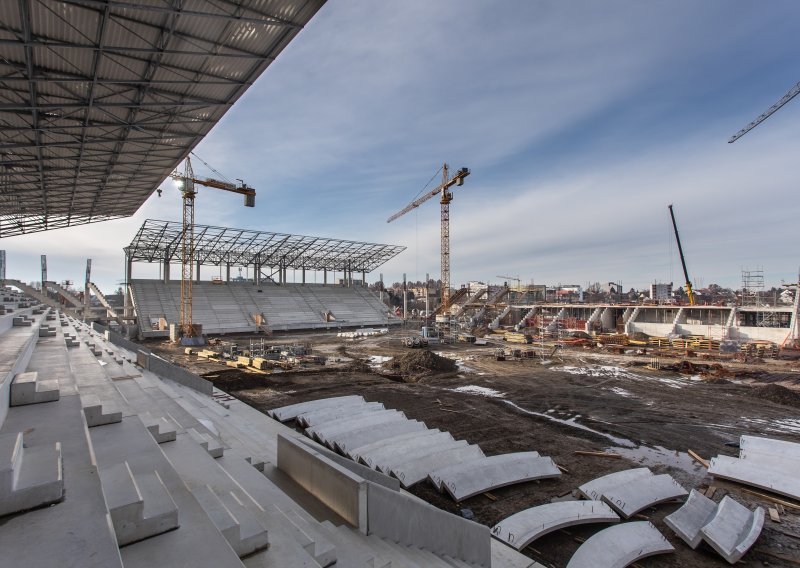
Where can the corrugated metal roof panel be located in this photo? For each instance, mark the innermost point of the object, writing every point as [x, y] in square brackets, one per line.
[102, 99]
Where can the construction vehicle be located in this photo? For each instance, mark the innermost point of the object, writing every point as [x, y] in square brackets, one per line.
[689, 291]
[446, 197]
[414, 342]
[187, 182]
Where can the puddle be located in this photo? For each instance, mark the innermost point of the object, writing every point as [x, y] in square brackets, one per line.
[572, 422]
[481, 391]
[658, 455]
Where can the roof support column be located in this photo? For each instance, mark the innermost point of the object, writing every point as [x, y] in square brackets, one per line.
[197, 266]
[324, 276]
[363, 278]
[166, 268]
[227, 272]
[304, 276]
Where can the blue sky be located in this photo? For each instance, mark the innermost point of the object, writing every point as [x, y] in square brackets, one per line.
[581, 121]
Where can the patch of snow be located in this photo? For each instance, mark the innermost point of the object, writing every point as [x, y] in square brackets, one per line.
[481, 391]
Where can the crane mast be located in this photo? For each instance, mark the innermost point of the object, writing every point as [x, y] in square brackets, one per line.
[689, 291]
[187, 183]
[446, 199]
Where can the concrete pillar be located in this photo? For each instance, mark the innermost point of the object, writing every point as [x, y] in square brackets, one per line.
[364, 278]
[380, 286]
[166, 270]
[227, 272]
[427, 295]
[256, 274]
[324, 276]
[126, 295]
[197, 271]
[304, 276]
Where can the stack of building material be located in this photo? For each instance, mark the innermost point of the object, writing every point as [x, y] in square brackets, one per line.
[763, 462]
[632, 490]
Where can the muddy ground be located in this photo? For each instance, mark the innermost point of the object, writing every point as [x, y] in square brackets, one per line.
[579, 400]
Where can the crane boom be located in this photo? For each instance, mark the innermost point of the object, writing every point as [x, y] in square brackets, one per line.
[447, 197]
[793, 92]
[457, 179]
[689, 291]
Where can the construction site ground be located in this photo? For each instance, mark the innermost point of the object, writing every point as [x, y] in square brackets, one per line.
[559, 404]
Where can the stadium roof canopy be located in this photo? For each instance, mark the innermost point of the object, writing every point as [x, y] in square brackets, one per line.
[102, 99]
[160, 241]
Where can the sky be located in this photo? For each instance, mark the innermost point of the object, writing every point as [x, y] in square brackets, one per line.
[581, 122]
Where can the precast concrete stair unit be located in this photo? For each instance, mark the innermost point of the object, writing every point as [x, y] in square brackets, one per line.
[28, 389]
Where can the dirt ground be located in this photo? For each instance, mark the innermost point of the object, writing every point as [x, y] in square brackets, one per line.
[576, 400]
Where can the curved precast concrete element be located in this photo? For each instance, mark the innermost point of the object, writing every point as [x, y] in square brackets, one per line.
[521, 529]
[437, 476]
[643, 492]
[781, 448]
[752, 473]
[595, 488]
[415, 471]
[368, 434]
[380, 455]
[772, 461]
[418, 452]
[691, 517]
[336, 423]
[498, 471]
[734, 529]
[620, 545]
[326, 434]
[316, 417]
[395, 441]
[286, 413]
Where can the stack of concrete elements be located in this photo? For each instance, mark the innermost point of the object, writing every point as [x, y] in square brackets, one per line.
[124, 468]
[386, 441]
[620, 545]
[765, 463]
[729, 527]
[229, 307]
[632, 490]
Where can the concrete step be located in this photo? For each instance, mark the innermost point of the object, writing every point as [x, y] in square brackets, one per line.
[240, 528]
[140, 507]
[351, 551]
[214, 449]
[322, 549]
[99, 413]
[29, 477]
[28, 389]
[160, 428]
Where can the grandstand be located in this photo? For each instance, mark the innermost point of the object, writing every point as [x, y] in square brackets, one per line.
[267, 302]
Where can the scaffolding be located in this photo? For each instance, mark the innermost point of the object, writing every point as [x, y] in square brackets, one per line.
[752, 287]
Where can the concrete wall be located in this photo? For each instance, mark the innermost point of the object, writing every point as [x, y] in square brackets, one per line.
[656, 329]
[16, 365]
[337, 487]
[407, 520]
[361, 470]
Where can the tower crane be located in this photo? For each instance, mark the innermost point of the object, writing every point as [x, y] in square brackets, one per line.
[186, 182]
[793, 92]
[689, 291]
[446, 198]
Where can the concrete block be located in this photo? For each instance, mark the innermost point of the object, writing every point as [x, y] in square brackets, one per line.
[140, 507]
[28, 389]
[595, 488]
[214, 449]
[47, 331]
[29, 477]
[620, 545]
[733, 529]
[21, 321]
[521, 529]
[286, 413]
[337, 487]
[490, 473]
[162, 429]
[98, 413]
[643, 492]
[691, 517]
